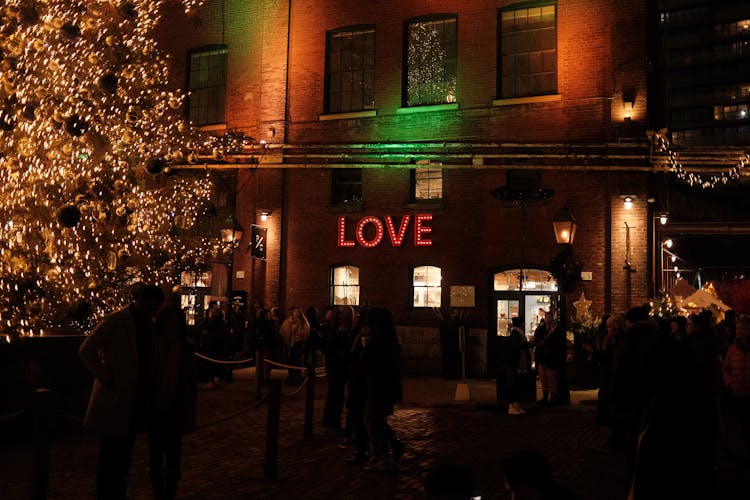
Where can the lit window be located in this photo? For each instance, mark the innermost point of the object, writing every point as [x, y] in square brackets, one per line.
[427, 183]
[431, 62]
[195, 279]
[344, 286]
[350, 70]
[527, 51]
[426, 281]
[533, 279]
[208, 86]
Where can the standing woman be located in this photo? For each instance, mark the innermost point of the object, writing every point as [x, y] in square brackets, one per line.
[294, 331]
[175, 396]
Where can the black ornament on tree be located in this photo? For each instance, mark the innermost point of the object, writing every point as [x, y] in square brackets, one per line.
[76, 126]
[128, 11]
[155, 165]
[71, 30]
[29, 111]
[29, 15]
[108, 83]
[69, 215]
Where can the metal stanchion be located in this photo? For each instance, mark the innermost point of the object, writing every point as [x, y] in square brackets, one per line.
[272, 429]
[260, 368]
[41, 440]
[309, 401]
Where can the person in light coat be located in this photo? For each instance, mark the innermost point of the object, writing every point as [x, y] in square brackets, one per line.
[119, 354]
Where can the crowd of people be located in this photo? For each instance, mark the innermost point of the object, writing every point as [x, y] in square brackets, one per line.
[361, 353]
[664, 385]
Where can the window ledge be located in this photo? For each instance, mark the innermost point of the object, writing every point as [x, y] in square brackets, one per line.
[368, 113]
[427, 109]
[527, 100]
[218, 127]
[434, 204]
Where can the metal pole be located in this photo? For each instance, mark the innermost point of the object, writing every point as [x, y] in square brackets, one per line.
[272, 429]
[40, 455]
[309, 401]
[260, 368]
[462, 349]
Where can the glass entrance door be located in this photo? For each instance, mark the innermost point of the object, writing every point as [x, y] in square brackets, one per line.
[537, 293]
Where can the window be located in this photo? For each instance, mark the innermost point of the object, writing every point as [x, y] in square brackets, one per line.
[208, 86]
[347, 186]
[426, 286]
[350, 70]
[527, 51]
[430, 62]
[344, 287]
[427, 184]
[533, 279]
[738, 112]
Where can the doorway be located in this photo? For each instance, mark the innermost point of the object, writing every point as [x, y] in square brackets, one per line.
[538, 291]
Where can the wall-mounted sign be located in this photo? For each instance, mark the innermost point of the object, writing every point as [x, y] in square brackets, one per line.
[370, 231]
[462, 296]
[258, 242]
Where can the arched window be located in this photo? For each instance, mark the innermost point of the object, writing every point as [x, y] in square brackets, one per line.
[533, 279]
[344, 286]
[426, 286]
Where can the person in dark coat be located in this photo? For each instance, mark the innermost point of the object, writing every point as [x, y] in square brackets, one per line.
[633, 379]
[554, 358]
[119, 353]
[175, 396]
[381, 357]
[336, 328]
[512, 364]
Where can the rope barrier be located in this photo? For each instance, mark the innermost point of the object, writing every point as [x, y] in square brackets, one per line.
[319, 371]
[224, 362]
[232, 415]
[282, 365]
[296, 391]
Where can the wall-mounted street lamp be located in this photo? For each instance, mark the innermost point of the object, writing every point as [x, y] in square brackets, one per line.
[564, 225]
[231, 231]
[628, 202]
[264, 215]
[663, 218]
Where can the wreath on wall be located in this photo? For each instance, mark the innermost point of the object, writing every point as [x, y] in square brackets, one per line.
[566, 269]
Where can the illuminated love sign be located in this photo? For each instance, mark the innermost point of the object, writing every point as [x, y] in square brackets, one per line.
[396, 234]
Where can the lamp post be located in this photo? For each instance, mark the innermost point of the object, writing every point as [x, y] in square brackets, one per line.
[564, 225]
[656, 273]
[231, 235]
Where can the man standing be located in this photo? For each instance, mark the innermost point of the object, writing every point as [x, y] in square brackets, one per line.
[119, 353]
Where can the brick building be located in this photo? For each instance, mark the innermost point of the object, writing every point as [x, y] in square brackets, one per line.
[414, 154]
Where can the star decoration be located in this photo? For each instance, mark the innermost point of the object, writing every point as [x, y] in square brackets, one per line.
[582, 307]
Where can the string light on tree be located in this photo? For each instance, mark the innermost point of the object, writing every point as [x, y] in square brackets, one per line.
[88, 128]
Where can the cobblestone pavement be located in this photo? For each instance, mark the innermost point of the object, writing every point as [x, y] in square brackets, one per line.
[224, 458]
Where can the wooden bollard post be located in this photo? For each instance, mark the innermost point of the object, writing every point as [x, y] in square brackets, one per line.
[260, 368]
[309, 401]
[272, 429]
[40, 444]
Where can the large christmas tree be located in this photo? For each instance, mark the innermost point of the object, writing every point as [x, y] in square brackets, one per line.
[87, 124]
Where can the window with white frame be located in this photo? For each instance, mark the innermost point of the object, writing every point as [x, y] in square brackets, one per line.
[431, 48]
[208, 85]
[350, 70]
[427, 183]
[426, 286]
[344, 287]
[527, 51]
